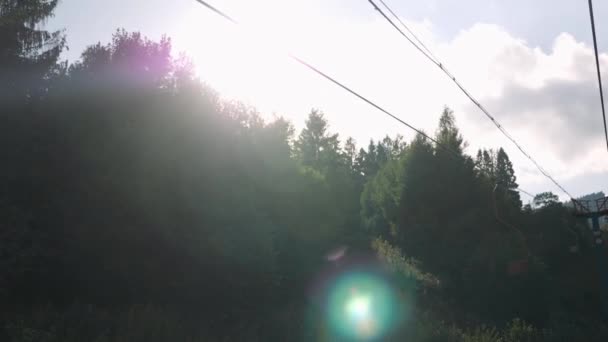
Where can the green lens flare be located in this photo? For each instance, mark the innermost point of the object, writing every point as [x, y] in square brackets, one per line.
[361, 307]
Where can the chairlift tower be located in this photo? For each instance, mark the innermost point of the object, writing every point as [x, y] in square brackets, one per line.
[594, 210]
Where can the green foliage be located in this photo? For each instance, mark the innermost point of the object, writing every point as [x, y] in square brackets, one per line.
[408, 268]
[519, 330]
[380, 200]
[497, 171]
[545, 199]
[27, 53]
[316, 147]
[128, 181]
[447, 133]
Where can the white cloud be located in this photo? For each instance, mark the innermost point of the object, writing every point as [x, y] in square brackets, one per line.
[547, 100]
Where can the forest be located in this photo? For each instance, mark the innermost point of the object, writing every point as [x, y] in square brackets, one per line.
[137, 205]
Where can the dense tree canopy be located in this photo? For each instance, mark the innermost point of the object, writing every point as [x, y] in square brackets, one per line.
[27, 52]
[138, 206]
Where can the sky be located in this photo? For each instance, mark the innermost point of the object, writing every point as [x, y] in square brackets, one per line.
[530, 63]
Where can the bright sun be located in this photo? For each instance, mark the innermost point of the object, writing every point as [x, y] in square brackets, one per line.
[358, 307]
[249, 61]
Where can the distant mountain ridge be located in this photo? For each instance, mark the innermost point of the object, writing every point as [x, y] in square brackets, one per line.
[589, 197]
[592, 196]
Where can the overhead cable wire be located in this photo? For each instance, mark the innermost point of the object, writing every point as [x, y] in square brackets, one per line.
[597, 66]
[351, 91]
[217, 11]
[461, 87]
[408, 30]
[524, 192]
[371, 103]
[341, 85]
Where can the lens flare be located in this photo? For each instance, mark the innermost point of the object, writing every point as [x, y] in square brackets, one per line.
[358, 307]
[361, 307]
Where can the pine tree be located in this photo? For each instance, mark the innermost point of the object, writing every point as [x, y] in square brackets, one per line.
[350, 151]
[367, 161]
[505, 178]
[488, 164]
[316, 147]
[27, 52]
[448, 134]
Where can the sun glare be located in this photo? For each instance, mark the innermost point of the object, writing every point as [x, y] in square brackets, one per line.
[358, 307]
[362, 307]
[250, 62]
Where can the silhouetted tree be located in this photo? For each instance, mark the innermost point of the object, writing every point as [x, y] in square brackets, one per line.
[126, 180]
[27, 53]
[544, 199]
